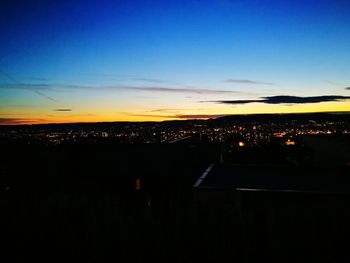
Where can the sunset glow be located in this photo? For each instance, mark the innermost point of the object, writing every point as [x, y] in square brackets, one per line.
[102, 61]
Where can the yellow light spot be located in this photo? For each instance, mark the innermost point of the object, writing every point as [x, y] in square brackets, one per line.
[289, 142]
[241, 144]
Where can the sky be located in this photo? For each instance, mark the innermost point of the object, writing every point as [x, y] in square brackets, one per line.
[91, 61]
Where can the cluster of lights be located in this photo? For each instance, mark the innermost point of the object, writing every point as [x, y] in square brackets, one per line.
[251, 133]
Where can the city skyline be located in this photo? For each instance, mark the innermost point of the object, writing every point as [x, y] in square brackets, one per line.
[91, 61]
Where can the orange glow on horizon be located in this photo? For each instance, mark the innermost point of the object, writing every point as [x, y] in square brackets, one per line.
[96, 119]
[85, 114]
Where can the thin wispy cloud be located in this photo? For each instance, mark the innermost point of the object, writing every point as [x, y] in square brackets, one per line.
[179, 116]
[182, 90]
[164, 110]
[287, 100]
[27, 86]
[62, 109]
[19, 121]
[247, 81]
[173, 110]
[52, 87]
[44, 95]
[200, 116]
[34, 88]
[151, 80]
[159, 89]
[126, 78]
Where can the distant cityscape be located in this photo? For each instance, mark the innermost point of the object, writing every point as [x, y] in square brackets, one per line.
[253, 130]
[235, 185]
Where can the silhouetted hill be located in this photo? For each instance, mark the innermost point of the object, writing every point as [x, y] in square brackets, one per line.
[242, 118]
[322, 116]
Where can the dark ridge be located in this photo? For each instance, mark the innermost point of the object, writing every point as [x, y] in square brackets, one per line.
[283, 117]
[245, 118]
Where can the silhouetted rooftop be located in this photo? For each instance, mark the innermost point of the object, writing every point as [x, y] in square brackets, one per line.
[277, 178]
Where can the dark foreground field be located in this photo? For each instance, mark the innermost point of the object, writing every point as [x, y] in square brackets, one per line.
[79, 202]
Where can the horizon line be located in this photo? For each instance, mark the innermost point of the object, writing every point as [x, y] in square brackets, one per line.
[174, 119]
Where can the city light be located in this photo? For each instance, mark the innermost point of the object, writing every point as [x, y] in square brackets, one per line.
[241, 144]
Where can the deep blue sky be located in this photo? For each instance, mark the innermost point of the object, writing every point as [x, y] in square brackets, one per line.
[81, 50]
